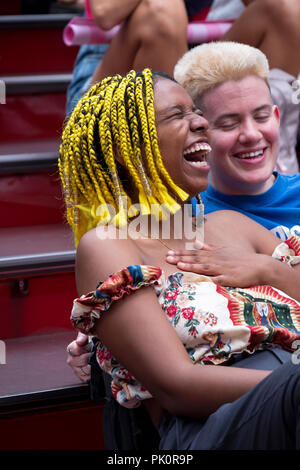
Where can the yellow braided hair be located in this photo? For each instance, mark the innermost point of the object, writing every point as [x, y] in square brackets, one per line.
[116, 114]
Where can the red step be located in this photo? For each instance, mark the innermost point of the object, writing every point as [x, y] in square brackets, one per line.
[37, 283]
[30, 190]
[34, 44]
[42, 401]
[35, 107]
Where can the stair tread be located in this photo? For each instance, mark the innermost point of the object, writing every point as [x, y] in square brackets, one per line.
[35, 365]
[28, 147]
[38, 249]
[35, 240]
[29, 156]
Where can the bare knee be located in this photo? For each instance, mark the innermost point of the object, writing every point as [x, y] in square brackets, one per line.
[278, 10]
[161, 19]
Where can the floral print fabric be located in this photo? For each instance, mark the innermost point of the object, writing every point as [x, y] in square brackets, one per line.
[213, 322]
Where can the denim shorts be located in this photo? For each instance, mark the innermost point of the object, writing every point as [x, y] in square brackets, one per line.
[88, 58]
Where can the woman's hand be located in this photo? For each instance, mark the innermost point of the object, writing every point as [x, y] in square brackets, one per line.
[78, 355]
[226, 266]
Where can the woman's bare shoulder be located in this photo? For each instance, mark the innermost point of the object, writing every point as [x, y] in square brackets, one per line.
[102, 252]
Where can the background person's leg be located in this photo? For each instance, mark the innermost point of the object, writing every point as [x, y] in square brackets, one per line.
[273, 27]
[154, 36]
[88, 59]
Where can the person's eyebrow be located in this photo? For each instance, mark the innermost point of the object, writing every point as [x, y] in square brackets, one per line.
[263, 107]
[179, 107]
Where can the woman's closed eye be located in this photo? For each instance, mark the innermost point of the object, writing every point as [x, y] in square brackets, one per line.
[177, 115]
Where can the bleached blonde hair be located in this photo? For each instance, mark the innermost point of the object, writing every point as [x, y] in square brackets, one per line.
[208, 65]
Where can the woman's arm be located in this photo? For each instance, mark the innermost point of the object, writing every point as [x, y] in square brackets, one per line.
[138, 334]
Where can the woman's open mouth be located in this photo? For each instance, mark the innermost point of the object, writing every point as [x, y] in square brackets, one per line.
[196, 154]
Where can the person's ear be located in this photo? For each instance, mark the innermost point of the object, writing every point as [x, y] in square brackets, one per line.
[276, 113]
[117, 155]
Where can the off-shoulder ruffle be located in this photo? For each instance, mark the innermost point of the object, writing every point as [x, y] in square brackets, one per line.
[213, 322]
[88, 308]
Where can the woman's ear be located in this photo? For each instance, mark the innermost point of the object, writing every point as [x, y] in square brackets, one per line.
[117, 155]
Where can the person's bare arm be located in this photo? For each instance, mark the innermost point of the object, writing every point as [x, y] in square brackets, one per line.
[231, 266]
[138, 334]
[109, 13]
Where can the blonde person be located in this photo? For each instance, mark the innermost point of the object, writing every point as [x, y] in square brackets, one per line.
[230, 82]
[140, 139]
[273, 27]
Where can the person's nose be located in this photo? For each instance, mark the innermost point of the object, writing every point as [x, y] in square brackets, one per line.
[249, 132]
[198, 123]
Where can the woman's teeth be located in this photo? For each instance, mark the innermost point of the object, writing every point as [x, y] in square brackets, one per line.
[198, 147]
[198, 163]
[196, 154]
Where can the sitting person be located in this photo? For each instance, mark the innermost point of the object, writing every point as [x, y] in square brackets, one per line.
[153, 34]
[273, 27]
[229, 81]
[135, 148]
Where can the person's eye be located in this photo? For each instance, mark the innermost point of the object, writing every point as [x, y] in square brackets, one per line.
[177, 115]
[262, 117]
[228, 125]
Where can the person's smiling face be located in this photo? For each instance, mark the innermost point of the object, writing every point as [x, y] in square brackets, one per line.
[182, 136]
[244, 135]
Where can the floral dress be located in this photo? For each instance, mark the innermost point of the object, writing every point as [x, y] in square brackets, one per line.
[213, 322]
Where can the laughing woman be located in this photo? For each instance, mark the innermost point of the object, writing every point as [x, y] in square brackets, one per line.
[135, 149]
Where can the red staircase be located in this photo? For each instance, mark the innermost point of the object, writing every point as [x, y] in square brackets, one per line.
[41, 400]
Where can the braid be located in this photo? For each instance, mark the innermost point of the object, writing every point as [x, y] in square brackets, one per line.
[116, 114]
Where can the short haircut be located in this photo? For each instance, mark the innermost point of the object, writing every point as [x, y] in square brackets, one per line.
[210, 64]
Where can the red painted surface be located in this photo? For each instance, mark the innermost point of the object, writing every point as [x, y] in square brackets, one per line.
[30, 199]
[44, 309]
[35, 199]
[57, 428]
[35, 116]
[30, 51]
[13, 7]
